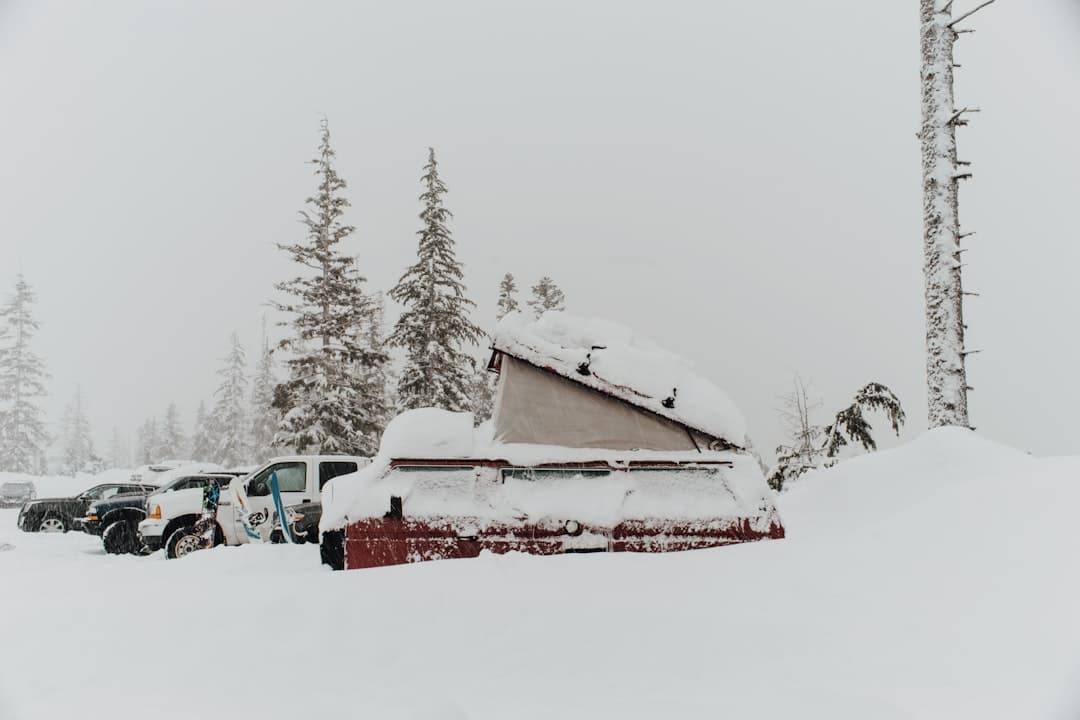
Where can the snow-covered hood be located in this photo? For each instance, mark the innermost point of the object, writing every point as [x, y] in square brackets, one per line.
[438, 434]
[177, 502]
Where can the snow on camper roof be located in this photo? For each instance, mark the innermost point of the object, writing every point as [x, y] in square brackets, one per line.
[610, 358]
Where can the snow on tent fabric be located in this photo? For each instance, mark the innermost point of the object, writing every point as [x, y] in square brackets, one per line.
[607, 367]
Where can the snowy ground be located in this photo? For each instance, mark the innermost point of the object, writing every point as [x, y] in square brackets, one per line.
[938, 580]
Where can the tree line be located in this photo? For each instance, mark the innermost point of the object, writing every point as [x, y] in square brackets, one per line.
[328, 386]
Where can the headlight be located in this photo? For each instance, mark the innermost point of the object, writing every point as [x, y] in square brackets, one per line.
[155, 514]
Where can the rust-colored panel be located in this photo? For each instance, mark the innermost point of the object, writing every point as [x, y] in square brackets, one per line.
[375, 542]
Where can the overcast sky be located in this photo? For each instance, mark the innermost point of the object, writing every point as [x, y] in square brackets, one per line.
[739, 181]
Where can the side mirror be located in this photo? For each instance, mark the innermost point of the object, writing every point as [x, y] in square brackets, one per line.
[258, 488]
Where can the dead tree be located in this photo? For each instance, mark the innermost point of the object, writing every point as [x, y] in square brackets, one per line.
[802, 433]
[946, 375]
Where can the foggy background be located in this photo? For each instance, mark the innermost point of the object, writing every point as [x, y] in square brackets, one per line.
[738, 181]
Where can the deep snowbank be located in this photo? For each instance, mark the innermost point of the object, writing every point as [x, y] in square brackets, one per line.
[933, 581]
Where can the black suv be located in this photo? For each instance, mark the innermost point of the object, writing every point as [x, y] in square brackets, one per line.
[58, 514]
[117, 519]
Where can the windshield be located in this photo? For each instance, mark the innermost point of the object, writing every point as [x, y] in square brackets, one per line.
[187, 482]
[16, 486]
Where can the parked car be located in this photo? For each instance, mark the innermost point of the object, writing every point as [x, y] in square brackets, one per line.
[152, 474]
[244, 513]
[302, 521]
[117, 519]
[14, 494]
[58, 514]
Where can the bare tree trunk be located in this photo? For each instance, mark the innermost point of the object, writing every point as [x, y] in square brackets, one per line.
[946, 376]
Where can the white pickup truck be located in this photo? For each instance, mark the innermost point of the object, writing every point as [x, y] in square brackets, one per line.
[171, 516]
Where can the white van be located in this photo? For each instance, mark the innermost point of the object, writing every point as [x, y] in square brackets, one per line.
[247, 508]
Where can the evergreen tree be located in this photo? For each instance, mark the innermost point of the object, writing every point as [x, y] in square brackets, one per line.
[229, 417]
[171, 441]
[264, 417]
[482, 393]
[79, 455]
[322, 404]
[202, 443]
[147, 442]
[852, 422]
[507, 297]
[434, 327]
[374, 378]
[546, 296]
[22, 384]
[119, 451]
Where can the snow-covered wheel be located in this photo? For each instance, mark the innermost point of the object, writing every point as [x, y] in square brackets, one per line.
[183, 542]
[332, 549]
[119, 538]
[52, 524]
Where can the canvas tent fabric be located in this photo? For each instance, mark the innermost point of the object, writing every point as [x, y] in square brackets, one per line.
[540, 407]
[611, 359]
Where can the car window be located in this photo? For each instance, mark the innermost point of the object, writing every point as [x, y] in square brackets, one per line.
[108, 492]
[292, 477]
[330, 470]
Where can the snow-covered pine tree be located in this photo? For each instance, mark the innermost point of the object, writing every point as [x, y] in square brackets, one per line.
[546, 296]
[147, 442]
[946, 374]
[264, 416]
[79, 455]
[22, 384]
[119, 451]
[482, 392]
[376, 407]
[435, 328]
[321, 402]
[851, 422]
[507, 297]
[230, 422]
[202, 437]
[171, 441]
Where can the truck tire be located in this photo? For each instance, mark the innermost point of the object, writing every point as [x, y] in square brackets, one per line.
[332, 549]
[181, 542]
[119, 538]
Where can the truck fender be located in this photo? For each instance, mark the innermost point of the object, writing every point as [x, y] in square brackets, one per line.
[131, 515]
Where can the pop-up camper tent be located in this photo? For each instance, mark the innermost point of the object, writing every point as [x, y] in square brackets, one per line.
[587, 383]
[599, 442]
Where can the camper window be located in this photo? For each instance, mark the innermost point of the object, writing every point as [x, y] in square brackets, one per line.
[541, 474]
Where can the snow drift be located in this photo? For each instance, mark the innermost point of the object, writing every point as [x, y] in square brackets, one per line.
[931, 581]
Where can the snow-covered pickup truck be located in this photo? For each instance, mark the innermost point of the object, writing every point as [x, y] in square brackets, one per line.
[172, 516]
